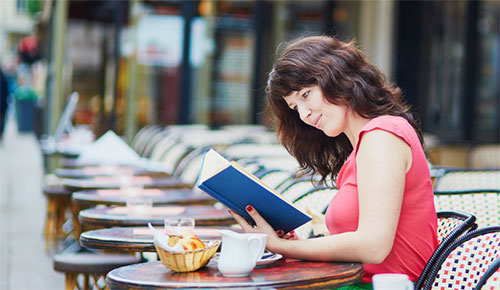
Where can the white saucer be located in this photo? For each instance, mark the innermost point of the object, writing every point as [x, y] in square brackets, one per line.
[269, 260]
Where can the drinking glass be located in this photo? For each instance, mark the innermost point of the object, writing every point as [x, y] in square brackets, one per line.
[139, 205]
[177, 226]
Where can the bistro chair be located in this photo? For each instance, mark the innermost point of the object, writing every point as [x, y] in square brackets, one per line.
[491, 278]
[84, 269]
[153, 141]
[298, 187]
[469, 180]
[465, 261]
[274, 177]
[143, 136]
[315, 202]
[163, 146]
[484, 205]
[451, 225]
[137, 137]
[174, 155]
[252, 165]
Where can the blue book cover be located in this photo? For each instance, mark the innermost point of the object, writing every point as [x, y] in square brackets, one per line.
[231, 185]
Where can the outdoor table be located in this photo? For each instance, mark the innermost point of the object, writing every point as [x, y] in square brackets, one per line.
[110, 182]
[137, 239]
[285, 273]
[89, 198]
[105, 170]
[105, 217]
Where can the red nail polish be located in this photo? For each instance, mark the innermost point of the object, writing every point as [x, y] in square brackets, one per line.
[280, 233]
[249, 208]
[292, 232]
[228, 210]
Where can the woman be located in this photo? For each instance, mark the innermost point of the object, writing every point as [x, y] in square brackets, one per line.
[340, 118]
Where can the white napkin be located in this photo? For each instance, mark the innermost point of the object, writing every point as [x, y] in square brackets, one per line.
[162, 240]
[109, 149]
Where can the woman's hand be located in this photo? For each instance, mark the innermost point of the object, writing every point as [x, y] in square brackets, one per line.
[290, 236]
[261, 226]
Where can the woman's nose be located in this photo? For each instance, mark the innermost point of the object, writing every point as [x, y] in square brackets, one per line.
[304, 113]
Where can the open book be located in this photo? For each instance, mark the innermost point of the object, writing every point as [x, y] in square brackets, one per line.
[230, 184]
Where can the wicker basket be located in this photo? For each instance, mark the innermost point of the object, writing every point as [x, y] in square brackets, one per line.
[186, 261]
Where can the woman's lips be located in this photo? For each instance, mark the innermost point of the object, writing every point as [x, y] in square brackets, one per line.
[316, 122]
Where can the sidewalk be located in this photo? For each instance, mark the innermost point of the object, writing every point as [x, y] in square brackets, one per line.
[24, 264]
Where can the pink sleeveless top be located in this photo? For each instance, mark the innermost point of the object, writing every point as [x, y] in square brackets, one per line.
[416, 235]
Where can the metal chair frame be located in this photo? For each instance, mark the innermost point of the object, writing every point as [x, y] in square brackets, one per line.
[467, 223]
[462, 247]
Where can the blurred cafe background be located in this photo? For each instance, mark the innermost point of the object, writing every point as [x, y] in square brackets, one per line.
[136, 63]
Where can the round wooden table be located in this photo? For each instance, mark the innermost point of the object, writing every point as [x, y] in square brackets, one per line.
[286, 273]
[136, 239]
[89, 198]
[204, 215]
[114, 182]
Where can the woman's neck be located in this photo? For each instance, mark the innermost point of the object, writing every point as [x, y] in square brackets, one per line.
[354, 125]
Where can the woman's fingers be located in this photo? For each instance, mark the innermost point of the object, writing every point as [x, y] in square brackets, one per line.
[255, 215]
[241, 221]
[290, 236]
[261, 225]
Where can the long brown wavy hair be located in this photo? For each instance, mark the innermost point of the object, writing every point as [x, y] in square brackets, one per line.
[346, 77]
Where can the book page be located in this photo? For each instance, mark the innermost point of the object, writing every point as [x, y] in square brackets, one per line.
[212, 163]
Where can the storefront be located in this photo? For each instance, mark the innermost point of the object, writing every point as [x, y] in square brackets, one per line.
[167, 62]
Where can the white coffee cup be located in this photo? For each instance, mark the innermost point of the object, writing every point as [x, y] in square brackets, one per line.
[391, 281]
[240, 252]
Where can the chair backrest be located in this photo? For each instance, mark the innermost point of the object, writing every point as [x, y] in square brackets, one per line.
[274, 177]
[296, 189]
[174, 155]
[465, 261]
[491, 278]
[153, 141]
[469, 180]
[251, 164]
[484, 205]
[451, 225]
[191, 171]
[141, 140]
[315, 203]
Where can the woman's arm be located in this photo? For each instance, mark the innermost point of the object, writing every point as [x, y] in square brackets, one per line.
[382, 162]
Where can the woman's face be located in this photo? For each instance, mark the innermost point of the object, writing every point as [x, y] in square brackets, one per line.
[315, 111]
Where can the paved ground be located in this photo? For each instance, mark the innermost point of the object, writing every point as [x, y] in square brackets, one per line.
[24, 264]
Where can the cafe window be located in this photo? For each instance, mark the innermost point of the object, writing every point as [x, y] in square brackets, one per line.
[444, 45]
[487, 103]
[453, 50]
[233, 62]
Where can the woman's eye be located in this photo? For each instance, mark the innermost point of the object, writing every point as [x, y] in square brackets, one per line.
[305, 94]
